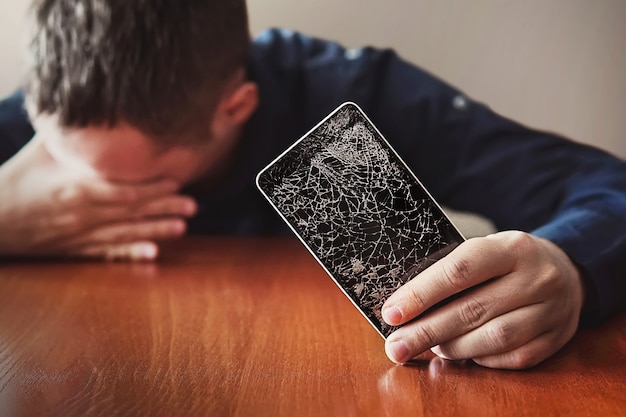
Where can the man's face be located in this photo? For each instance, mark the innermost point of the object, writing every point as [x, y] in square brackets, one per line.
[125, 154]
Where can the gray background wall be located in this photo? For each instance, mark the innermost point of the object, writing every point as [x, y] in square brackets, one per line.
[553, 64]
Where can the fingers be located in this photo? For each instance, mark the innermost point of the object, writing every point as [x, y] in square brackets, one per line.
[525, 356]
[525, 309]
[173, 205]
[145, 230]
[122, 221]
[473, 262]
[107, 192]
[170, 205]
[461, 316]
[136, 251]
[502, 334]
[126, 241]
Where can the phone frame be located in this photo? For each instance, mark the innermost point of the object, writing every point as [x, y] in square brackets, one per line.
[393, 154]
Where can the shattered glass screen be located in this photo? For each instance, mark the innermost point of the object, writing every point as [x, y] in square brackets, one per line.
[358, 209]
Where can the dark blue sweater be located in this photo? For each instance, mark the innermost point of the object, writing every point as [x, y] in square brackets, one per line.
[467, 156]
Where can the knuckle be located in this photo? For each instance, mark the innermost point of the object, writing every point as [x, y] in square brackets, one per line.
[472, 313]
[546, 282]
[524, 358]
[552, 274]
[416, 299]
[457, 272]
[425, 335]
[520, 242]
[551, 271]
[501, 335]
[69, 194]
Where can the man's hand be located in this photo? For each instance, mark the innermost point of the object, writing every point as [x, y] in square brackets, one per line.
[47, 210]
[527, 308]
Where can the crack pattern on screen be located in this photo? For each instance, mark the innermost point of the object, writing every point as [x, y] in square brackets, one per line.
[359, 210]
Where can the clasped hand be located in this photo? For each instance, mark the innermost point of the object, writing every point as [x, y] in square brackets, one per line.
[526, 309]
[48, 210]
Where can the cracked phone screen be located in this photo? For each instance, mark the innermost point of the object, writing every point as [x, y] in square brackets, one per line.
[358, 209]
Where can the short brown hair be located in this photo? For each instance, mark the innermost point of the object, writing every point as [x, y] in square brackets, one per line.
[156, 64]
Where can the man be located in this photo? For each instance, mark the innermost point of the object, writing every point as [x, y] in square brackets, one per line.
[148, 114]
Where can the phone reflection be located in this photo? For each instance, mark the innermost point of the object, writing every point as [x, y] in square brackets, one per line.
[408, 389]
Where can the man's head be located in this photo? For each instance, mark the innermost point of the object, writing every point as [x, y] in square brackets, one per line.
[157, 75]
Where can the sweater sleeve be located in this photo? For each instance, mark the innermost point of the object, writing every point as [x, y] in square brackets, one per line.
[471, 158]
[15, 128]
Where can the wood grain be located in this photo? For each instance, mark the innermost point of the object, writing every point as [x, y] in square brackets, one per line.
[232, 327]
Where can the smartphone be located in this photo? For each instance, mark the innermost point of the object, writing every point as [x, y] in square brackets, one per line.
[358, 209]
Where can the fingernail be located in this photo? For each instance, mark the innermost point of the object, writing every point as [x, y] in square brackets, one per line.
[144, 252]
[436, 350]
[392, 315]
[149, 251]
[190, 208]
[397, 351]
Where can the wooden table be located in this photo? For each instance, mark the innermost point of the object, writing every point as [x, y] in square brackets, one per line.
[227, 327]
